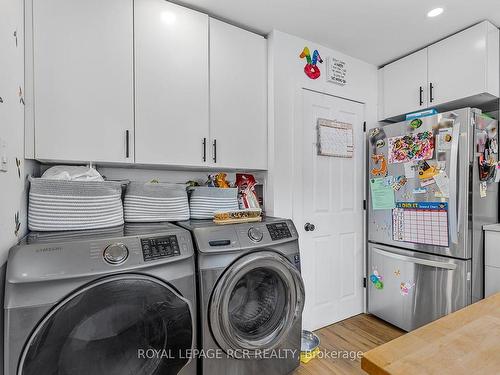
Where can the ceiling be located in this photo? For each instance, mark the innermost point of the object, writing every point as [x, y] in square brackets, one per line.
[376, 31]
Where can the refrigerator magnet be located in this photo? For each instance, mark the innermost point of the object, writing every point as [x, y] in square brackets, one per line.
[376, 280]
[483, 189]
[444, 139]
[380, 168]
[420, 190]
[425, 183]
[374, 132]
[416, 123]
[410, 169]
[406, 287]
[399, 182]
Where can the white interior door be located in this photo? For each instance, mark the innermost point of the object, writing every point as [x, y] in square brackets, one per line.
[332, 200]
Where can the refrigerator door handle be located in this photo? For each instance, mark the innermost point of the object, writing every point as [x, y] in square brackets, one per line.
[424, 262]
[454, 211]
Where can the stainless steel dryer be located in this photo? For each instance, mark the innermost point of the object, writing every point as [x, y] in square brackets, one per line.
[251, 296]
[110, 302]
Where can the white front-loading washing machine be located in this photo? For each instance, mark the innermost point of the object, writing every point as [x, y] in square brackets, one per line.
[251, 296]
[110, 302]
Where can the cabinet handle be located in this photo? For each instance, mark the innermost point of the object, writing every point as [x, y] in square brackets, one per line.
[204, 149]
[421, 95]
[127, 144]
[431, 97]
[215, 151]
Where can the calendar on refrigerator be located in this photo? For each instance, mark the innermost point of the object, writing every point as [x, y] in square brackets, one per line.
[421, 223]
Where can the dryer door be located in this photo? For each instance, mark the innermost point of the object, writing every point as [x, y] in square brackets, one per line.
[255, 303]
[126, 324]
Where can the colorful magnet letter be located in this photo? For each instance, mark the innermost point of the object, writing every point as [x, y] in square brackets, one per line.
[415, 124]
[381, 162]
[311, 69]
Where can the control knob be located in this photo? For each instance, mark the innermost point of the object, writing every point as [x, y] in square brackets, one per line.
[115, 253]
[255, 234]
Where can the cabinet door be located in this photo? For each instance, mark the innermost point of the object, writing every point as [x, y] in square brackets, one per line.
[83, 80]
[459, 65]
[238, 97]
[171, 81]
[404, 85]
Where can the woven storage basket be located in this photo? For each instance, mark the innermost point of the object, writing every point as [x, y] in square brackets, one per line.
[58, 205]
[204, 201]
[153, 202]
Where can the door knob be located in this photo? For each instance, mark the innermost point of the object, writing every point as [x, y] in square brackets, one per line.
[309, 227]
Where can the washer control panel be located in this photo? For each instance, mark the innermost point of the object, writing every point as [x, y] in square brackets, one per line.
[160, 247]
[279, 231]
[116, 253]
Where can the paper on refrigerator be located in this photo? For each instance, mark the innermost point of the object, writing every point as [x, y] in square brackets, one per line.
[382, 194]
[443, 183]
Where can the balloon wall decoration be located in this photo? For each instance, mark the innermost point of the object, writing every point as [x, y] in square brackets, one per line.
[311, 69]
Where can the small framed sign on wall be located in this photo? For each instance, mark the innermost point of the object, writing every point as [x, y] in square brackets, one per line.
[336, 71]
[335, 138]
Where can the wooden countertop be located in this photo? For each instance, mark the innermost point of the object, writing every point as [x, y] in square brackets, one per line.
[465, 342]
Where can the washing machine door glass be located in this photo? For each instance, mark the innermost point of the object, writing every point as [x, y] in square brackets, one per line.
[256, 302]
[127, 324]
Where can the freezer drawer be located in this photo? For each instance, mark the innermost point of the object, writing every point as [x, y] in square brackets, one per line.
[410, 289]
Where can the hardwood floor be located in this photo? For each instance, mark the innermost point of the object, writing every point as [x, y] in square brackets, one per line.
[359, 333]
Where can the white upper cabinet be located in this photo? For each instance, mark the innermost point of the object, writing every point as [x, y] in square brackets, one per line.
[146, 82]
[459, 65]
[83, 80]
[238, 97]
[462, 70]
[403, 92]
[171, 77]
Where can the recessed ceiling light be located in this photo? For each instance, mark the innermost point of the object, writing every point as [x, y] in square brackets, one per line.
[435, 12]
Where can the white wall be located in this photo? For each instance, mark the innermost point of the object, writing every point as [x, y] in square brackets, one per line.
[13, 186]
[286, 80]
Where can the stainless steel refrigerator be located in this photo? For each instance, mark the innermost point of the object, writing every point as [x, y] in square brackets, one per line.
[431, 188]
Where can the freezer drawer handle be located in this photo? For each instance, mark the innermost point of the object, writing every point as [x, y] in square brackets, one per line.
[424, 262]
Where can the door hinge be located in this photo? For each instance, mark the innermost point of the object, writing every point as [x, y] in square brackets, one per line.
[364, 127]
[364, 282]
[364, 204]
